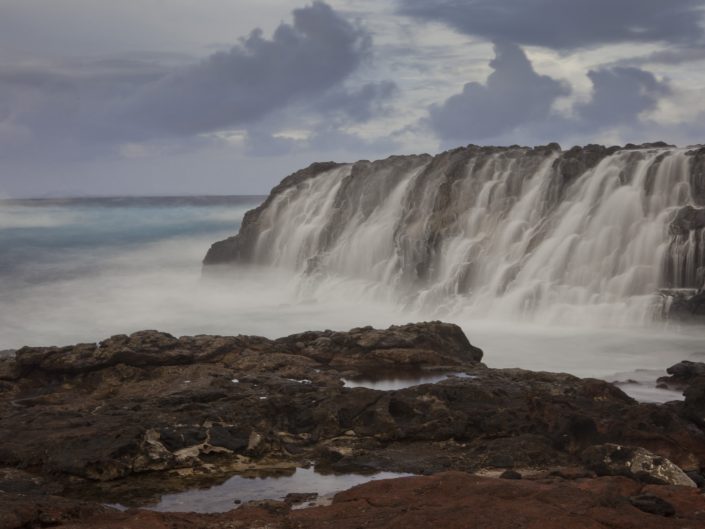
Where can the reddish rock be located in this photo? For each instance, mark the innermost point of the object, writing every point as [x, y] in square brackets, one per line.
[452, 500]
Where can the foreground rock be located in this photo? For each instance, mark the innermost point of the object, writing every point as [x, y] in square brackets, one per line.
[683, 374]
[636, 463]
[689, 377]
[452, 500]
[136, 416]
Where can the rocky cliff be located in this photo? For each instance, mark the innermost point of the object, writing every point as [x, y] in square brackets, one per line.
[609, 231]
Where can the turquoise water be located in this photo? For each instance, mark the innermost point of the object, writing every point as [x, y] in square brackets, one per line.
[63, 255]
[45, 239]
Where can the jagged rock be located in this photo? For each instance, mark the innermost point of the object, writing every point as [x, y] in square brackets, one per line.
[697, 477]
[652, 145]
[653, 505]
[683, 374]
[577, 160]
[137, 416]
[118, 425]
[686, 220]
[240, 247]
[636, 463]
[694, 405]
[686, 305]
[295, 498]
[697, 176]
[685, 262]
[686, 370]
[409, 345]
[438, 219]
[271, 506]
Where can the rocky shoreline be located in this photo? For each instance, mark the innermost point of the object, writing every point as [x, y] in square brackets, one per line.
[135, 417]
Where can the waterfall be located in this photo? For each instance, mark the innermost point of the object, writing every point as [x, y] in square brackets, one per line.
[591, 234]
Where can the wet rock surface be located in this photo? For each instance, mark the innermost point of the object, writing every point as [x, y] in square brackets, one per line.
[134, 417]
[453, 500]
[683, 374]
[568, 166]
[652, 504]
[636, 463]
[241, 247]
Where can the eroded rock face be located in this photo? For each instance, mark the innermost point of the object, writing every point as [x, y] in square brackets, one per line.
[452, 165]
[429, 344]
[652, 505]
[683, 374]
[687, 219]
[697, 175]
[442, 224]
[240, 247]
[689, 377]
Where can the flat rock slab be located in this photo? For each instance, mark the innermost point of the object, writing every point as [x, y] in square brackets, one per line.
[452, 500]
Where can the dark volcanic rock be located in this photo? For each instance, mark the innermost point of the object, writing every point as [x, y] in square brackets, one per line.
[697, 175]
[577, 160]
[697, 477]
[451, 166]
[685, 260]
[20, 511]
[652, 504]
[635, 463]
[690, 377]
[430, 344]
[136, 416]
[147, 413]
[686, 305]
[683, 374]
[686, 370]
[695, 401]
[652, 145]
[686, 220]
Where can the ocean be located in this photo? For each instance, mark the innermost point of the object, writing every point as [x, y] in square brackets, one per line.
[80, 270]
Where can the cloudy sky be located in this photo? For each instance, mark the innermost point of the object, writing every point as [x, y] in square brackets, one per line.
[99, 97]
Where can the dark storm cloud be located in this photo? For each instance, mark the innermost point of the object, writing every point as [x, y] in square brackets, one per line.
[513, 95]
[360, 104]
[63, 110]
[111, 101]
[619, 96]
[567, 24]
[670, 56]
[302, 60]
[516, 99]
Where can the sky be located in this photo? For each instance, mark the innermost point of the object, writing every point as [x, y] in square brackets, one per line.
[173, 97]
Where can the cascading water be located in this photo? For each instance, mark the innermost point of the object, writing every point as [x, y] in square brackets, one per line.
[588, 235]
